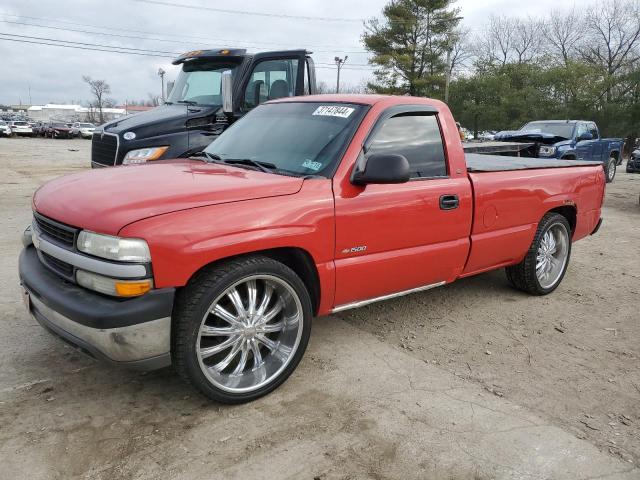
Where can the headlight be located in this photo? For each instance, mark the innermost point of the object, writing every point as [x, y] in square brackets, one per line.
[143, 155]
[113, 286]
[114, 248]
[546, 150]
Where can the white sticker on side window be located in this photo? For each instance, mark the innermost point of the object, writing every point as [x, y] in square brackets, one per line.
[311, 165]
[334, 111]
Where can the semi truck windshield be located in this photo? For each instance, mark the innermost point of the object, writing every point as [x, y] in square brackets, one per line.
[200, 83]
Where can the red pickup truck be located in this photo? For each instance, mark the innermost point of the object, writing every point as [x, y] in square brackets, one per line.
[309, 205]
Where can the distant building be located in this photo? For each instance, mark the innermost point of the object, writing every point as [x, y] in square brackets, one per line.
[71, 113]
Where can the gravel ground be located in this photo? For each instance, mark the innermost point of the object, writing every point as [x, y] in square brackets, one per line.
[573, 356]
[570, 358]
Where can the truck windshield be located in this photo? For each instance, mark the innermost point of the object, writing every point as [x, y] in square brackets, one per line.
[564, 130]
[305, 138]
[200, 83]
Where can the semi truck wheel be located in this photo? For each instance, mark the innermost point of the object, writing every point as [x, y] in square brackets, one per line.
[610, 169]
[241, 328]
[547, 259]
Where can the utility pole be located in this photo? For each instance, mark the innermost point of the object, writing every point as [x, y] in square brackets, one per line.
[339, 62]
[447, 78]
[452, 38]
[161, 73]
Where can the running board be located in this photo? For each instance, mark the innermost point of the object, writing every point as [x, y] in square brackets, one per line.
[362, 303]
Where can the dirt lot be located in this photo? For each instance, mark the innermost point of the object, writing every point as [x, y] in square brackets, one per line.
[568, 362]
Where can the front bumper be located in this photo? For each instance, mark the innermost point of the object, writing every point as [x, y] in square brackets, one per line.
[132, 332]
[633, 166]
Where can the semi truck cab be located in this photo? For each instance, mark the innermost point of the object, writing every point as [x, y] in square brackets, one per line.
[213, 89]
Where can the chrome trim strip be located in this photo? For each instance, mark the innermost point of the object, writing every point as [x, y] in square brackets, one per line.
[83, 262]
[123, 344]
[101, 133]
[362, 303]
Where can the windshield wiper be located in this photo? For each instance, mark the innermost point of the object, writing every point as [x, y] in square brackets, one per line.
[187, 102]
[262, 166]
[209, 156]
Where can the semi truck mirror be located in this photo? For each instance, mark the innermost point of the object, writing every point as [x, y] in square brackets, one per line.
[227, 92]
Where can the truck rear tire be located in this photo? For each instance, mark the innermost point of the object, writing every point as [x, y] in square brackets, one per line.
[547, 259]
[240, 328]
[610, 169]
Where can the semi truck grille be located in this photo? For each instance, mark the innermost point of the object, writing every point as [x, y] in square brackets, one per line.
[61, 268]
[104, 148]
[58, 232]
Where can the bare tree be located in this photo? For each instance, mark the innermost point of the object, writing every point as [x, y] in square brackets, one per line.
[99, 89]
[563, 32]
[612, 41]
[461, 51]
[526, 39]
[323, 88]
[497, 44]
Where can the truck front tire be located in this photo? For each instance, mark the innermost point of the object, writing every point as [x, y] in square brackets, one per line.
[610, 169]
[240, 328]
[546, 261]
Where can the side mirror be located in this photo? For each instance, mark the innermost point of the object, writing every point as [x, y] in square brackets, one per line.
[226, 90]
[383, 168]
[585, 136]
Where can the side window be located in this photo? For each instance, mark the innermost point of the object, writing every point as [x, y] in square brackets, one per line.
[418, 138]
[581, 129]
[593, 130]
[271, 79]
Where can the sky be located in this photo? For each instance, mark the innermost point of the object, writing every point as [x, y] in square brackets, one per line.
[39, 74]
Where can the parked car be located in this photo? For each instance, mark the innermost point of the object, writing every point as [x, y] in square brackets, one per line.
[307, 206]
[633, 164]
[5, 130]
[56, 130]
[84, 130]
[37, 128]
[487, 136]
[22, 128]
[569, 140]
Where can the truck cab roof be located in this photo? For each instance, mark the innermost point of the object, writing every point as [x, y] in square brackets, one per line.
[233, 53]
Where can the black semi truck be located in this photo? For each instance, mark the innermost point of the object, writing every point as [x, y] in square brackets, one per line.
[213, 89]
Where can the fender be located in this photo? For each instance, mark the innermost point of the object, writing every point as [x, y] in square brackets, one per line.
[183, 242]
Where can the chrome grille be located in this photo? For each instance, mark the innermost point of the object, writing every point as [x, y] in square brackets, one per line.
[104, 148]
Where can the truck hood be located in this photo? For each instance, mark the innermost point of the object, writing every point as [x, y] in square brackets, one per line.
[526, 137]
[172, 117]
[105, 200]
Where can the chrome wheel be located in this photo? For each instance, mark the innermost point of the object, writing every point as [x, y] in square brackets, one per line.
[611, 171]
[552, 255]
[250, 333]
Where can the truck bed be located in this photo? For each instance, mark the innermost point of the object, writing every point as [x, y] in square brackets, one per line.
[498, 163]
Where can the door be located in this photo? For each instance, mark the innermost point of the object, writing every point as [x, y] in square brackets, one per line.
[597, 145]
[584, 148]
[273, 78]
[394, 238]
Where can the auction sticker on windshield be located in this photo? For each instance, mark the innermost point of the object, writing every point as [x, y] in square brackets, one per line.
[333, 111]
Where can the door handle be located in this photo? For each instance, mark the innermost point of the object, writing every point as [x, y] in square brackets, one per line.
[449, 202]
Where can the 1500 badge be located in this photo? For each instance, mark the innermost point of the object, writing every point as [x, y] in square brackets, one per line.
[360, 249]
